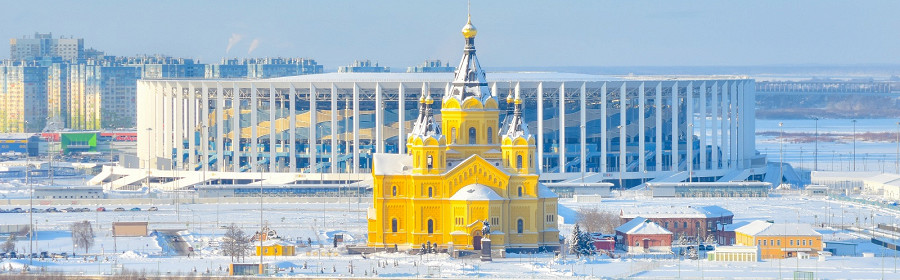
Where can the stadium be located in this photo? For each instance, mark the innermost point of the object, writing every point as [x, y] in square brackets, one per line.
[623, 130]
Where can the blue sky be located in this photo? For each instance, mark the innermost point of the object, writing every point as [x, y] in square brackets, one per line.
[511, 33]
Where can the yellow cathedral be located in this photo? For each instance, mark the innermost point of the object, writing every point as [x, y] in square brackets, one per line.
[465, 170]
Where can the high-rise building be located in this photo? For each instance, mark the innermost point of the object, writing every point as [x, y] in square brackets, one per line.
[102, 96]
[431, 66]
[23, 97]
[364, 66]
[44, 45]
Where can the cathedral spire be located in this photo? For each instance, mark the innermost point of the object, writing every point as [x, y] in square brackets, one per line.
[469, 79]
[516, 126]
[425, 124]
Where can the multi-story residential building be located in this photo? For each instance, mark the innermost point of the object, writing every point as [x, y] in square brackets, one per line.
[102, 96]
[44, 45]
[23, 97]
[364, 66]
[262, 68]
[431, 66]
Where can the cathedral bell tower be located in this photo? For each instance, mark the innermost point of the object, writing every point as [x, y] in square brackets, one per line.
[425, 143]
[469, 109]
[517, 144]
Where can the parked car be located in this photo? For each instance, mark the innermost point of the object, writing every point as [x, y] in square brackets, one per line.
[44, 254]
[84, 209]
[153, 209]
[101, 209]
[52, 210]
[3, 255]
[119, 209]
[136, 209]
[12, 255]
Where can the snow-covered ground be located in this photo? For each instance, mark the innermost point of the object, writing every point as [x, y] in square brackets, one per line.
[202, 223]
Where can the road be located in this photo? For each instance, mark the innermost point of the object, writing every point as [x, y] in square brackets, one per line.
[175, 241]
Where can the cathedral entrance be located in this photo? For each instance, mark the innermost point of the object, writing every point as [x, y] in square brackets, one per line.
[476, 239]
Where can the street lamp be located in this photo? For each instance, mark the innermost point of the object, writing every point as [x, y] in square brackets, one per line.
[261, 228]
[781, 164]
[149, 155]
[897, 163]
[816, 156]
[854, 146]
[30, 204]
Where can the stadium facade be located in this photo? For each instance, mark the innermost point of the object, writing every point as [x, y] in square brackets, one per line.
[625, 130]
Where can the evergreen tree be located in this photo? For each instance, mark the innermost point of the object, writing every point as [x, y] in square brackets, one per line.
[580, 242]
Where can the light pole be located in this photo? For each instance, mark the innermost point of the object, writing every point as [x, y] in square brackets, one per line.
[816, 156]
[259, 168]
[30, 204]
[781, 163]
[854, 146]
[897, 163]
[149, 155]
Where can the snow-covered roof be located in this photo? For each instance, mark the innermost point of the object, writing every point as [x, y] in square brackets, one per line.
[273, 242]
[476, 192]
[545, 192]
[391, 164]
[641, 225]
[707, 211]
[764, 228]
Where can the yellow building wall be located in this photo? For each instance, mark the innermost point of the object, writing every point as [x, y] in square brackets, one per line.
[771, 247]
[276, 250]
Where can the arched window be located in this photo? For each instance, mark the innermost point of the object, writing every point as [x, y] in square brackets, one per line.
[394, 191]
[472, 135]
[430, 226]
[394, 225]
[520, 191]
[490, 135]
[429, 192]
[519, 161]
[429, 161]
[520, 225]
[453, 135]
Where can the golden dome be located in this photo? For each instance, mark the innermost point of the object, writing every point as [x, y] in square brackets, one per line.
[469, 30]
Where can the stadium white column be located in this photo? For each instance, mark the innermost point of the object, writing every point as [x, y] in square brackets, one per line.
[623, 124]
[675, 127]
[583, 130]
[333, 113]
[540, 126]
[562, 128]
[604, 166]
[292, 126]
[178, 125]
[312, 140]
[192, 127]
[379, 120]
[735, 105]
[272, 138]
[703, 134]
[236, 128]
[356, 129]
[659, 127]
[143, 136]
[220, 127]
[204, 125]
[254, 127]
[168, 126]
[401, 117]
[726, 157]
[689, 120]
[714, 126]
[732, 128]
[642, 161]
[747, 121]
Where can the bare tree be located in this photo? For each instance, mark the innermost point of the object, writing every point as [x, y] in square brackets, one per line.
[10, 244]
[236, 243]
[594, 221]
[83, 235]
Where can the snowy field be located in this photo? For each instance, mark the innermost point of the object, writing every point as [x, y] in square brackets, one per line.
[318, 222]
